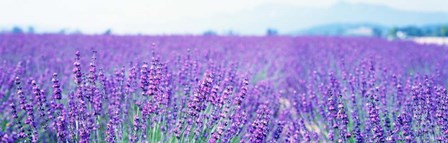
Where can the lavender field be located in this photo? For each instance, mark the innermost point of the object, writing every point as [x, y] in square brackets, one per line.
[221, 89]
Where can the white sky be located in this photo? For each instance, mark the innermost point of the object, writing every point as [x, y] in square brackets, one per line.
[154, 16]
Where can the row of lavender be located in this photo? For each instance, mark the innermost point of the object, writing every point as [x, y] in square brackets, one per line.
[56, 88]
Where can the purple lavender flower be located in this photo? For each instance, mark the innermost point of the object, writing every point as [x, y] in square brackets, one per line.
[259, 126]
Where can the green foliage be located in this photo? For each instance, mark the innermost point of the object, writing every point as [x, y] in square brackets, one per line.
[4, 123]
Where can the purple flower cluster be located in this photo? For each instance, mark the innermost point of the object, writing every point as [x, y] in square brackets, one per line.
[221, 89]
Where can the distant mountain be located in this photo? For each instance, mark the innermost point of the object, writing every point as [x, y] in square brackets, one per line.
[433, 30]
[289, 19]
[359, 29]
[367, 13]
[339, 19]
